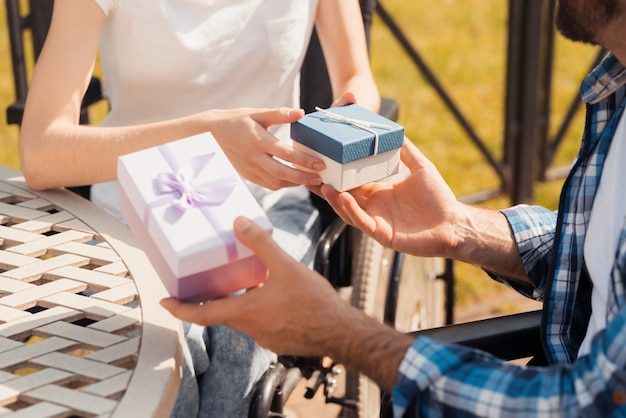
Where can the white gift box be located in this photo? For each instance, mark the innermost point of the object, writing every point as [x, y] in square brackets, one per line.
[180, 200]
[358, 146]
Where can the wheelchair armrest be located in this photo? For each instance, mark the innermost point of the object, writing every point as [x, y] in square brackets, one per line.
[508, 337]
[273, 390]
[389, 108]
[325, 245]
[14, 113]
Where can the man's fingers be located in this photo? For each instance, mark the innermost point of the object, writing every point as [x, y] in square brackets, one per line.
[410, 155]
[349, 207]
[258, 240]
[331, 195]
[338, 202]
[191, 312]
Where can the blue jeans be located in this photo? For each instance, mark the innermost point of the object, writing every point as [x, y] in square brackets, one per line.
[222, 365]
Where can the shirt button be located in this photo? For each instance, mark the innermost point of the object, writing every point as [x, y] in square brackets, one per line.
[619, 397]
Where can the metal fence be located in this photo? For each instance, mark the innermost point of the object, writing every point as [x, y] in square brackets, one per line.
[528, 149]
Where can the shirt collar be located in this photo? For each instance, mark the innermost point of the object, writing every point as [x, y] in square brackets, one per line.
[603, 80]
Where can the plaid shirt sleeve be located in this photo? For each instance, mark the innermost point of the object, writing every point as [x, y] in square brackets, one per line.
[445, 380]
[533, 229]
[437, 379]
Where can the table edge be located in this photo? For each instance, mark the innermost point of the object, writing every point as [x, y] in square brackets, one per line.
[161, 346]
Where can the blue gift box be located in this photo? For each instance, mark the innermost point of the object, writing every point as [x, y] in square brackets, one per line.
[358, 146]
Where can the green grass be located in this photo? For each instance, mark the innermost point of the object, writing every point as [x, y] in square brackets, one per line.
[465, 45]
[464, 42]
[8, 134]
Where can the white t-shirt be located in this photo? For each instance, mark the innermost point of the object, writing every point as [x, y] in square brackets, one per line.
[163, 59]
[607, 218]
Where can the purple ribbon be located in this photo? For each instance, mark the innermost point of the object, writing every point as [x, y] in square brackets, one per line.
[183, 190]
[183, 183]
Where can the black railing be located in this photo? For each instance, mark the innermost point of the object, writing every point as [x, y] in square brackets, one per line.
[528, 150]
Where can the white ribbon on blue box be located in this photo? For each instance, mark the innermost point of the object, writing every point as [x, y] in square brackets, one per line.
[358, 146]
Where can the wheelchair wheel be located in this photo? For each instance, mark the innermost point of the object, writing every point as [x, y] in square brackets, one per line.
[415, 293]
[371, 265]
[395, 288]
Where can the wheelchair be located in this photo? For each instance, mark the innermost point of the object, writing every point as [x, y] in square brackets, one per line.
[413, 295]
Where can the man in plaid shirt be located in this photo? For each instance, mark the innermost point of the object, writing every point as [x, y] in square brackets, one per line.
[573, 260]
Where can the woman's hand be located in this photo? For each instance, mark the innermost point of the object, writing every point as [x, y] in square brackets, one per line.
[255, 153]
[346, 98]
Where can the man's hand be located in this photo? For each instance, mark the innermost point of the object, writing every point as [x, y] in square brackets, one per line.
[420, 215]
[415, 215]
[296, 311]
[287, 314]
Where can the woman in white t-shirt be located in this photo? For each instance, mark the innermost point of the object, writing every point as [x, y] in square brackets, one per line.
[168, 65]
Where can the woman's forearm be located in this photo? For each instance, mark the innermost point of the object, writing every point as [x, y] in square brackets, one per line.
[64, 154]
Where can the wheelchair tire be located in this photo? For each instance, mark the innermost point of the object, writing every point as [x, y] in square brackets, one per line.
[417, 303]
[371, 265]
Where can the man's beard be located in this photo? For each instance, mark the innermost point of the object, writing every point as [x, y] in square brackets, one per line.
[583, 24]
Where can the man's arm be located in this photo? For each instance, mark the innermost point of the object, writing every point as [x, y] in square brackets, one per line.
[486, 240]
[363, 344]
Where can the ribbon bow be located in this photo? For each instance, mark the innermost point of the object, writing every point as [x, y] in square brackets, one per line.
[187, 193]
[184, 189]
[365, 125]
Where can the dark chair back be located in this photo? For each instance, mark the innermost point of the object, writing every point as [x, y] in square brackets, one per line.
[34, 19]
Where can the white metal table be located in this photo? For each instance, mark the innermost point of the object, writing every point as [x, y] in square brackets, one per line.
[81, 330]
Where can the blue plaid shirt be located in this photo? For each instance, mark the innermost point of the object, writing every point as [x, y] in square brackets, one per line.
[448, 380]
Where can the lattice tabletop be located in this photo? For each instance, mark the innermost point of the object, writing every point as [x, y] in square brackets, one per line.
[81, 331]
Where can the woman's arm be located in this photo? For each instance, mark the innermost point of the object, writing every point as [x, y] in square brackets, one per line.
[56, 151]
[342, 37]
